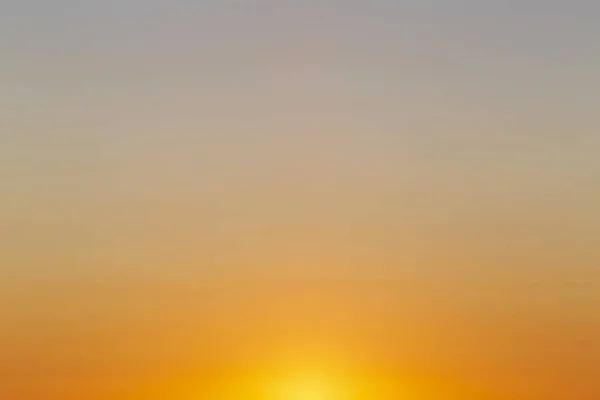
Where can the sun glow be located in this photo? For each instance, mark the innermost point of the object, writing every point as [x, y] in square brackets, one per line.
[308, 388]
[304, 376]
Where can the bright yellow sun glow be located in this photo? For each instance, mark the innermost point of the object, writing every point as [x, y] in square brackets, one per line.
[309, 388]
[302, 378]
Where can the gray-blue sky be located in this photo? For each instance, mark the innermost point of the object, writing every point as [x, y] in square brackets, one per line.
[404, 91]
[492, 104]
[492, 48]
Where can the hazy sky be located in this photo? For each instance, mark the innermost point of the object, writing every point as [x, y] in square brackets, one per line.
[416, 181]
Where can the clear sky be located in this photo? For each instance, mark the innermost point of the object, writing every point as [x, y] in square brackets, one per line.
[185, 182]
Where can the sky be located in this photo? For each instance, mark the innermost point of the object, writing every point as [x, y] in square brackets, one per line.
[188, 187]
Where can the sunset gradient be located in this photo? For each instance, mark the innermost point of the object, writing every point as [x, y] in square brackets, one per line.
[197, 197]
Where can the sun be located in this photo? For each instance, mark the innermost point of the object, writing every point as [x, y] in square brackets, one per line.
[308, 382]
[308, 388]
[301, 376]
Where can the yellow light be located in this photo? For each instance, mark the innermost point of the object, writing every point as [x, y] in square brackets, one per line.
[307, 389]
[307, 380]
